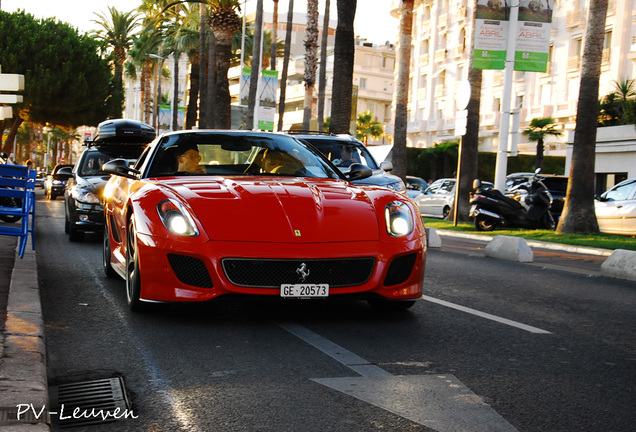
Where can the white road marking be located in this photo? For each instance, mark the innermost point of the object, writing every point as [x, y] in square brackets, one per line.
[441, 402]
[506, 321]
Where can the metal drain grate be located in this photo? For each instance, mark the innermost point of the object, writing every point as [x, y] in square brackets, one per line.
[89, 402]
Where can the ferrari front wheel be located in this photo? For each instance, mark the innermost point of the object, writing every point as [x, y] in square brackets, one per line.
[109, 271]
[133, 279]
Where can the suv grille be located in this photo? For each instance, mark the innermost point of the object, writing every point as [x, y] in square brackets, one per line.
[272, 273]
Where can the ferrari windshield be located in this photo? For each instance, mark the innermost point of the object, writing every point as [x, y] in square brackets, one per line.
[232, 154]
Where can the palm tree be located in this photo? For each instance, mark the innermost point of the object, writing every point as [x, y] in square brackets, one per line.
[538, 130]
[366, 126]
[272, 54]
[224, 22]
[203, 63]
[311, 49]
[344, 51]
[256, 63]
[322, 74]
[402, 92]
[117, 33]
[578, 212]
[283, 78]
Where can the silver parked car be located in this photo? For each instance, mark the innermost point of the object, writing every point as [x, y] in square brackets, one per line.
[616, 209]
[437, 200]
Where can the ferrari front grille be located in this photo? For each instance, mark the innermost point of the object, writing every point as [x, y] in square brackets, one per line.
[190, 270]
[272, 273]
[400, 270]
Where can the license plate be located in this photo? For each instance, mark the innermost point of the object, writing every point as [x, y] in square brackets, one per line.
[304, 290]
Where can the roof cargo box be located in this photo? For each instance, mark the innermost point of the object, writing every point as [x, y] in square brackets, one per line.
[123, 131]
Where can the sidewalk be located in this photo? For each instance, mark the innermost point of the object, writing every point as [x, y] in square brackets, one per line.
[22, 353]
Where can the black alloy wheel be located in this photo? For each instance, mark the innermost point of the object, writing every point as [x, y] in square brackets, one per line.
[109, 271]
[133, 279]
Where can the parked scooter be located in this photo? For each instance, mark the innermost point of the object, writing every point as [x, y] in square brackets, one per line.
[529, 206]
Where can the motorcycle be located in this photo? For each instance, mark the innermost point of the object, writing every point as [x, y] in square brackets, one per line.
[529, 206]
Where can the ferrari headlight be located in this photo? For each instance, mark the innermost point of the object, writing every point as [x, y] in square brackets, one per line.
[176, 218]
[399, 220]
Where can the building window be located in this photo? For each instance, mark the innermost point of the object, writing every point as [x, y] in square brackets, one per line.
[363, 83]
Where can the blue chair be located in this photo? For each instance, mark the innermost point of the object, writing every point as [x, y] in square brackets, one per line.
[17, 199]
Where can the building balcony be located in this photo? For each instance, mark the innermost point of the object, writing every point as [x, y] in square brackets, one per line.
[574, 63]
[414, 127]
[440, 55]
[575, 17]
[439, 90]
[423, 59]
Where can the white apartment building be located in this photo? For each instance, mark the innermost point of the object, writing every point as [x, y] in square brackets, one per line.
[441, 49]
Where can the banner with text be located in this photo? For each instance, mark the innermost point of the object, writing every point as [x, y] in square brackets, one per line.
[534, 26]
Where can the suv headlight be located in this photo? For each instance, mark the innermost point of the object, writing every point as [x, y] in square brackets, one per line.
[398, 218]
[176, 218]
[86, 196]
[397, 186]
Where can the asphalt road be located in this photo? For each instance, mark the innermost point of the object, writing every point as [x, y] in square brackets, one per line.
[493, 346]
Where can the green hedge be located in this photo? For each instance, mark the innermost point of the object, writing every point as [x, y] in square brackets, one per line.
[429, 164]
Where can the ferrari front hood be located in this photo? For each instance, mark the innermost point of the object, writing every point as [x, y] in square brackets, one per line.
[283, 210]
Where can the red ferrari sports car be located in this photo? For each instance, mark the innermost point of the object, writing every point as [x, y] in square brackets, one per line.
[210, 214]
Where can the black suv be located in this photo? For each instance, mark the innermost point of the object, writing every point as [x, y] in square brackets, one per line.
[83, 196]
[556, 184]
[344, 150]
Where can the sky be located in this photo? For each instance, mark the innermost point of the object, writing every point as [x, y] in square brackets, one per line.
[373, 20]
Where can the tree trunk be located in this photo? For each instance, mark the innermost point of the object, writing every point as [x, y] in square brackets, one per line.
[539, 160]
[212, 96]
[174, 124]
[223, 114]
[322, 73]
[203, 66]
[344, 52]
[311, 47]
[256, 65]
[283, 78]
[272, 52]
[15, 124]
[469, 147]
[193, 97]
[402, 93]
[578, 215]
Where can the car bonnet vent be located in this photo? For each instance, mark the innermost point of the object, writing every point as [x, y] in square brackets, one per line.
[89, 403]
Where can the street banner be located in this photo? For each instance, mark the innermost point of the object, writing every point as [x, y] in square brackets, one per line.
[533, 35]
[491, 34]
[265, 109]
[267, 100]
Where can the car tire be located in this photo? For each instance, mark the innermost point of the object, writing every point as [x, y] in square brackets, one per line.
[483, 223]
[74, 234]
[133, 279]
[384, 305]
[445, 213]
[109, 271]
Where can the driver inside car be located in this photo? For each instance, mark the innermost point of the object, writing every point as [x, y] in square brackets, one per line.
[188, 159]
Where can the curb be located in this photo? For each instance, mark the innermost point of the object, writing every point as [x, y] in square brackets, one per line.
[23, 379]
[534, 243]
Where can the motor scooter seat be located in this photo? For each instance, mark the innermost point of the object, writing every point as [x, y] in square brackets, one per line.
[510, 201]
